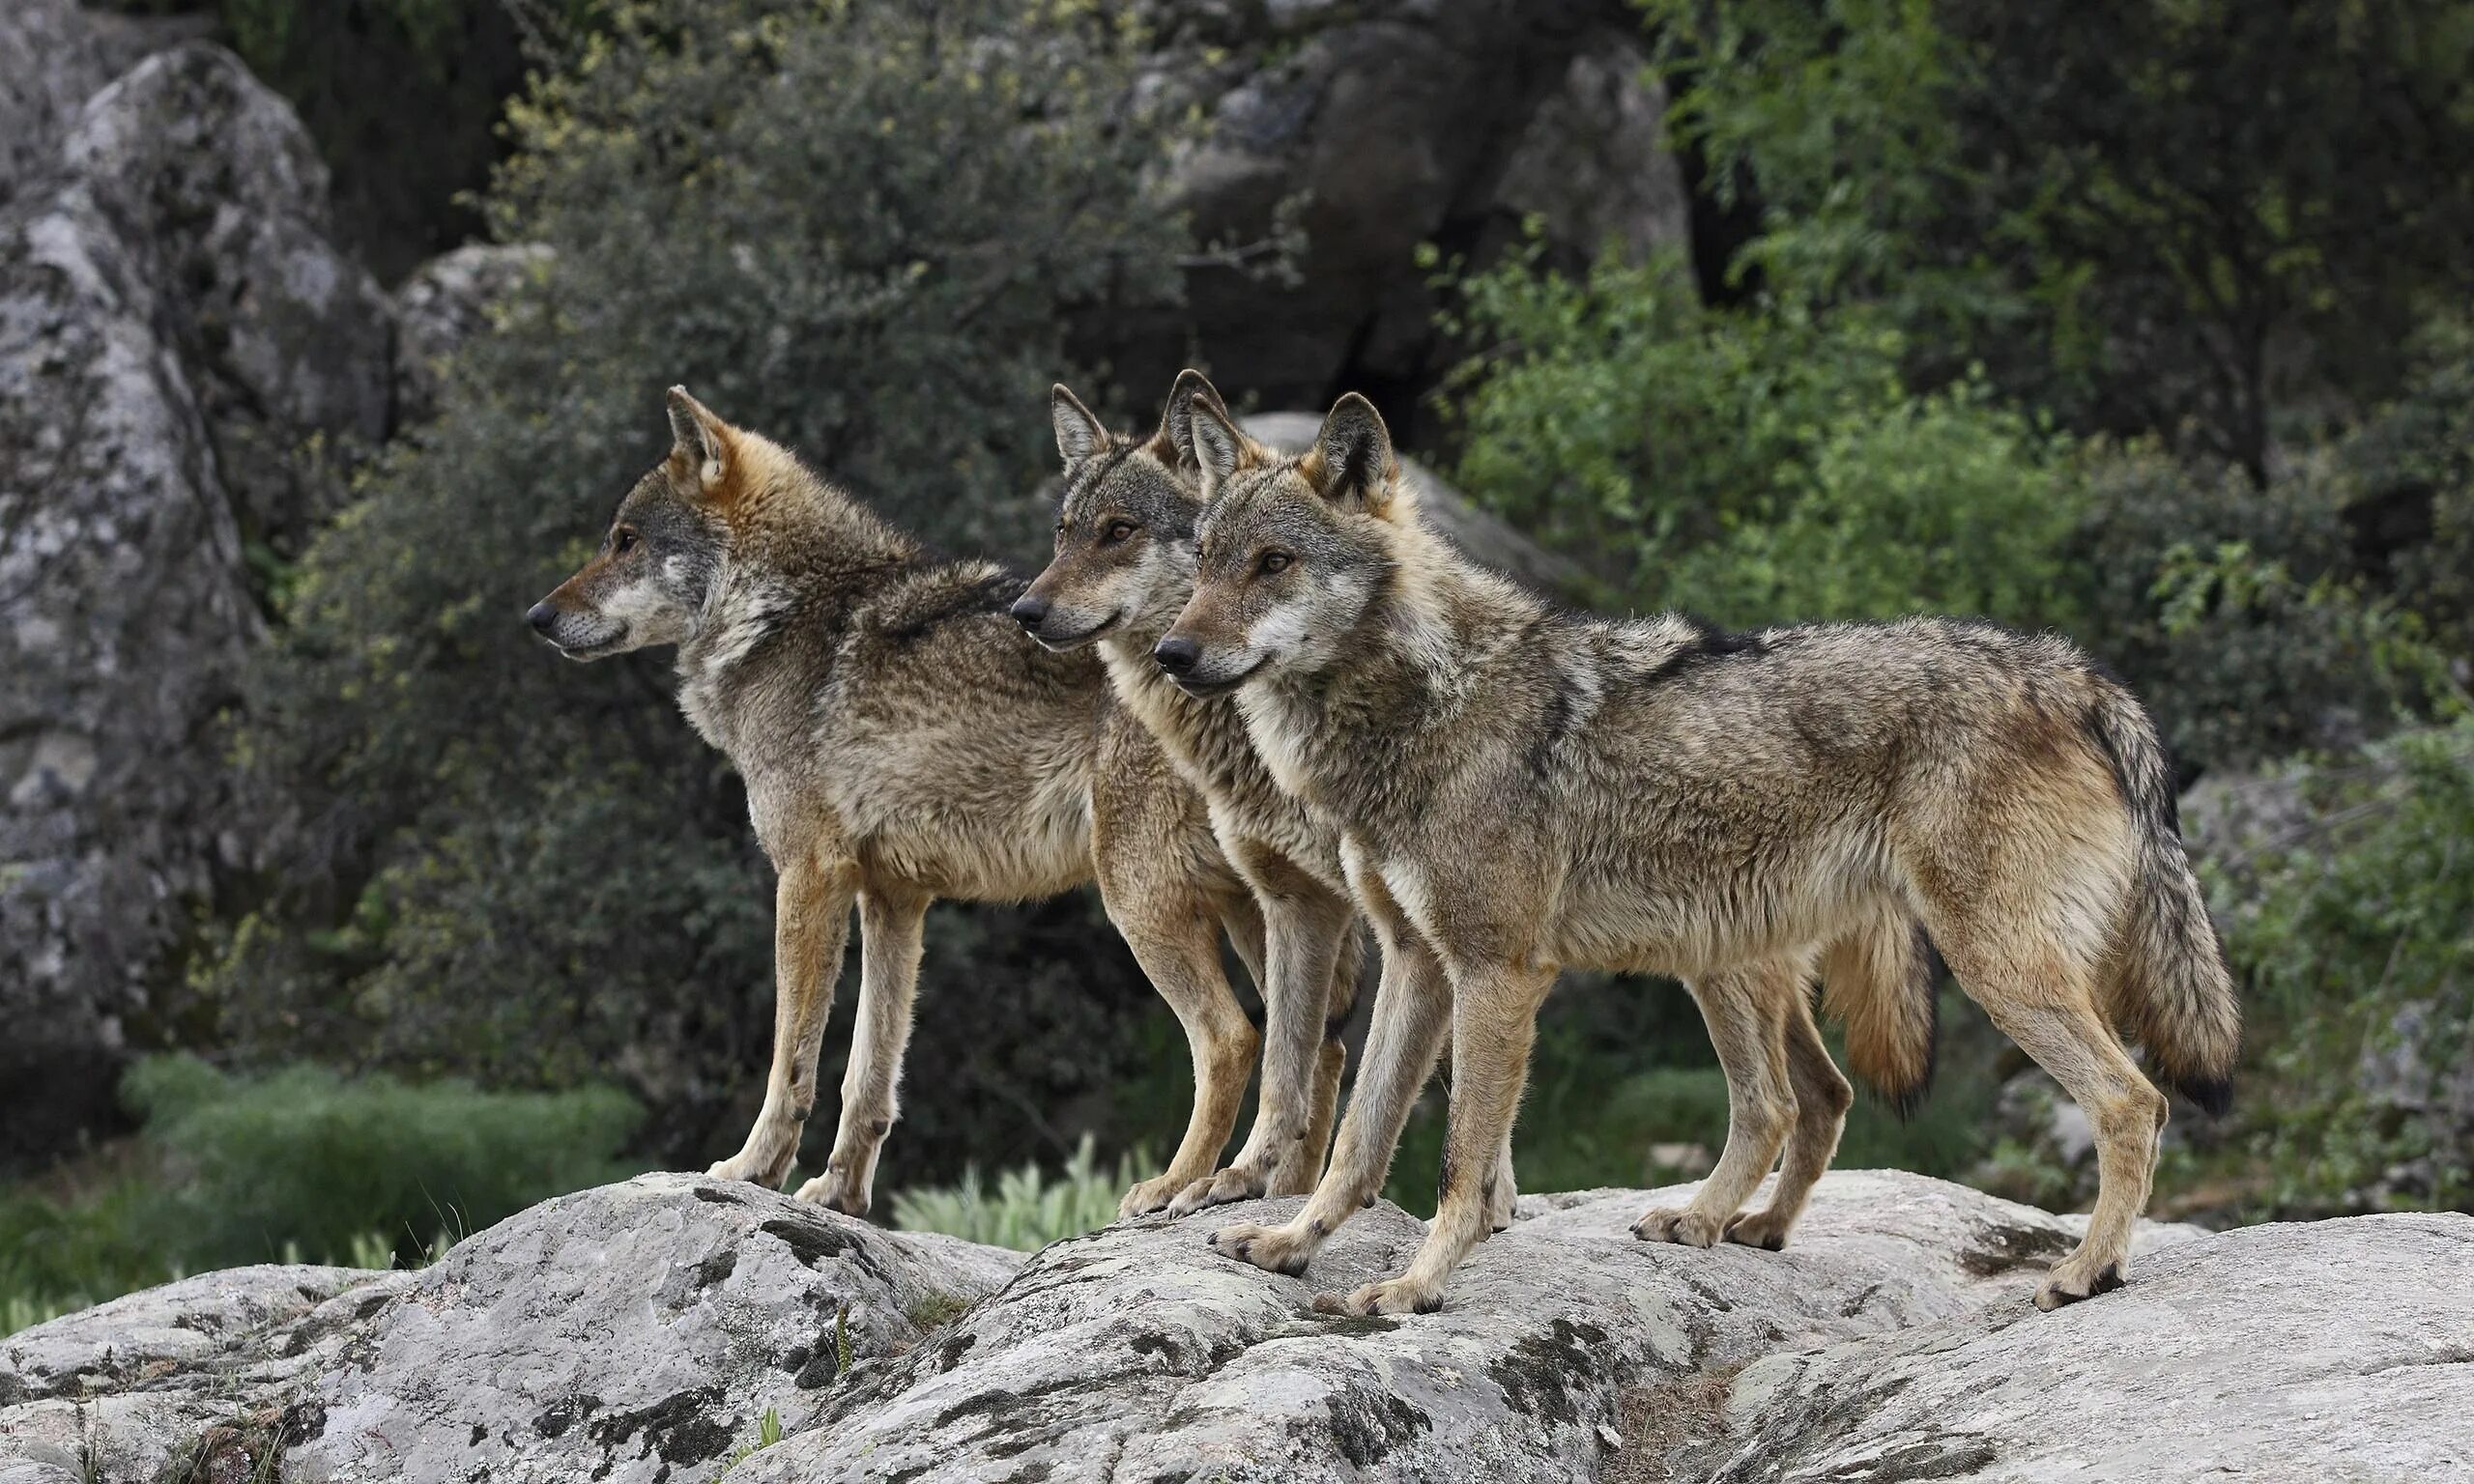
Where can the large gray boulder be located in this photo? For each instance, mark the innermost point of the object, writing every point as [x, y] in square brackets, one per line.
[446, 301]
[643, 1332]
[1370, 128]
[175, 323]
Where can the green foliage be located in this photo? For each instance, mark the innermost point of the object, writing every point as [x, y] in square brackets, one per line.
[2349, 920]
[1028, 1210]
[297, 1166]
[858, 228]
[768, 1432]
[1754, 465]
[2131, 214]
[304, 1156]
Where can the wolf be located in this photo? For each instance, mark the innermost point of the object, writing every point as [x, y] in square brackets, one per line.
[1522, 788]
[1123, 567]
[901, 742]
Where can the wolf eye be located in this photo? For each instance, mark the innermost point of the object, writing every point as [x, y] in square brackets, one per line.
[1118, 530]
[624, 542]
[1274, 563]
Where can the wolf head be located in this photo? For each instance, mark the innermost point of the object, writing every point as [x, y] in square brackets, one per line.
[1291, 552]
[1125, 530]
[648, 583]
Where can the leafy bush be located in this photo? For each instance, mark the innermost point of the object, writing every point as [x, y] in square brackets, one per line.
[858, 228]
[1027, 1210]
[1757, 466]
[2345, 911]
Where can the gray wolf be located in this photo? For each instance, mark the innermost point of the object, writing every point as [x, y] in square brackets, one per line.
[901, 742]
[1521, 788]
[1123, 566]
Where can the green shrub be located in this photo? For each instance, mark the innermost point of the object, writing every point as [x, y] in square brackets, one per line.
[858, 228]
[1028, 1210]
[1758, 466]
[2348, 915]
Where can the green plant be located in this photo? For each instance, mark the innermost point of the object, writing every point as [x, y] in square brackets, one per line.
[1028, 1210]
[1757, 466]
[768, 1432]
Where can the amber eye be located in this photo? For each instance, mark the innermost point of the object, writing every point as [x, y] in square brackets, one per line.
[1274, 563]
[623, 542]
[1116, 532]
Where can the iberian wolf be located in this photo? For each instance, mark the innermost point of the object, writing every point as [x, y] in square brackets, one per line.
[901, 742]
[1522, 788]
[1124, 565]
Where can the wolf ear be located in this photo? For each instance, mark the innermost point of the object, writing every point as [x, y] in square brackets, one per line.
[1177, 419]
[1220, 449]
[1078, 434]
[700, 441]
[1351, 462]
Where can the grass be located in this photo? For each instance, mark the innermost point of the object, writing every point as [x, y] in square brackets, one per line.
[1028, 1208]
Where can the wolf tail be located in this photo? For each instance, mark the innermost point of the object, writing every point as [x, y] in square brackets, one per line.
[1878, 983]
[2170, 988]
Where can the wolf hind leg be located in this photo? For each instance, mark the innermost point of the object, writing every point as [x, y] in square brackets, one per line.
[1745, 1009]
[811, 925]
[1821, 1098]
[2046, 1002]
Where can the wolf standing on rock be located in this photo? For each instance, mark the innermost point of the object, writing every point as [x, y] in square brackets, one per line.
[1124, 566]
[1520, 788]
[899, 743]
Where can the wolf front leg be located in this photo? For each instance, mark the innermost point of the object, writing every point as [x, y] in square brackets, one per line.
[891, 918]
[1494, 1020]
[1305, 927]
[810, 923]
[1412, 1014]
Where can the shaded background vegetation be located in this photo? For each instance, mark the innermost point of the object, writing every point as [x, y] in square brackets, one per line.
[2147, 321]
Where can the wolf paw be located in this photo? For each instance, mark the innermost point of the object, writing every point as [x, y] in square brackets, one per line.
[835, 1193]
[755, 1168]
[1686, 1227]
[1237, 1182]
[1150, 1195]
[1765, 1229]
[2076, 1277]
[1392, 1296]
[1282, 1249]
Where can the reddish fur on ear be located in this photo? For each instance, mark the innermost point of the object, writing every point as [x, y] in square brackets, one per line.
[703, 449]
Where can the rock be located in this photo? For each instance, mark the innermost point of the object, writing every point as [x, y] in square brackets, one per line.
[2328, 1349]
[642, 1331]
[1371, 129]
[53, 56]
[1475, 530]
[633, 1333]
[173, 324]
[443, 303]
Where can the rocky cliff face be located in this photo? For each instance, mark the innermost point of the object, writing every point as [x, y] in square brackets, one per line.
[1371, 129]
[186, 362]
[643, 1332]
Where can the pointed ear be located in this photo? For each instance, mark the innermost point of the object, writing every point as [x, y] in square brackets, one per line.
[700, 441]
[1177, 419]
[1078, 434]
[1220, 449]
[1351, 461]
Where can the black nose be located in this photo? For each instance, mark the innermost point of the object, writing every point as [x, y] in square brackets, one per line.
[541, 615]
[1177, 655]
[1030, 612]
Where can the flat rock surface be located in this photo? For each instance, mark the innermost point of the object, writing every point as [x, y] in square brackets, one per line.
[642, 1331]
